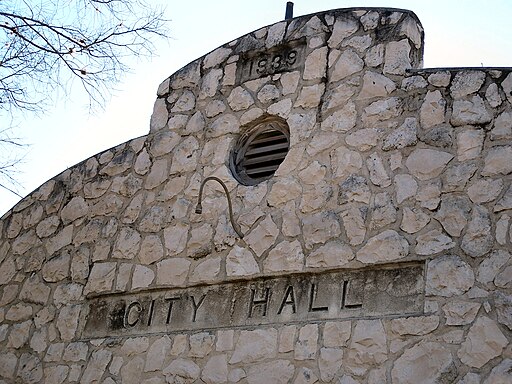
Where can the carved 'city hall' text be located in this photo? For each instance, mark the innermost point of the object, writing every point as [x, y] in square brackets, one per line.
[294, 298]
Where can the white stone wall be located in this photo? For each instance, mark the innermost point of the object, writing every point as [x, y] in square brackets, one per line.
[388, 164]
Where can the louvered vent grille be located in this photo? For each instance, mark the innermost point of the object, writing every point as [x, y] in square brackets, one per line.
[260, 152]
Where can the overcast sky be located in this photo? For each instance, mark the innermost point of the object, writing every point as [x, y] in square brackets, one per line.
[458, 33]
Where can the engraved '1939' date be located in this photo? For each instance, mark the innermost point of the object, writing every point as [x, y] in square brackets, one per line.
[269, 64]
[283, 58]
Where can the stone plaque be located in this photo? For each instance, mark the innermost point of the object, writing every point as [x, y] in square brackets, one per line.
[290, 299]
[282, 58]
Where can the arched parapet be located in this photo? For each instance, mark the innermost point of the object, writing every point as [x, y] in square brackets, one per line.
[376, 226]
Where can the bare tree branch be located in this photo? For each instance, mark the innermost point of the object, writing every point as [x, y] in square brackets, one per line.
[48, 45]
[9, 161]
[44, 46]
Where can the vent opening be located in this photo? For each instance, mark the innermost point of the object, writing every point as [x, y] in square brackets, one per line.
[259, 152]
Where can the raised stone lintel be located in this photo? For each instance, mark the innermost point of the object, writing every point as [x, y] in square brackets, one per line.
[282, 58]
[366, 293]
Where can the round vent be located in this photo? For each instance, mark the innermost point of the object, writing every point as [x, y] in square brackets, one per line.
[259, 152]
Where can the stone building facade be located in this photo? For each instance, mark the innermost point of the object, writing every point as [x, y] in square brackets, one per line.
[378, 251]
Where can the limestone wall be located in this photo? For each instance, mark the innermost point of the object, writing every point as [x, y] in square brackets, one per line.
[395, 193]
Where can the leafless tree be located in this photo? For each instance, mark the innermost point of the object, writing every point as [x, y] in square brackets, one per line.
[9, 161]
[50, 45]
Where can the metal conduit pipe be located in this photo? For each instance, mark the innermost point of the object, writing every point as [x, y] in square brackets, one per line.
[289, 11]
[199, 207]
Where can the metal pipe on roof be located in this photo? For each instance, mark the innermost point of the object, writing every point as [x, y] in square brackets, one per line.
[289, 11]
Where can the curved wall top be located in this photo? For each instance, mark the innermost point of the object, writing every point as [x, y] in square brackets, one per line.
[379, 251]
